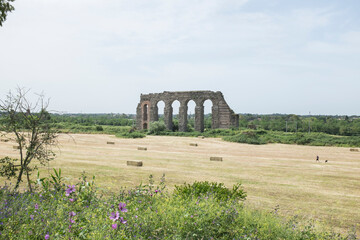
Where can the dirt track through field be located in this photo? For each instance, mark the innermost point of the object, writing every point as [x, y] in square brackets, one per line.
[273, 174]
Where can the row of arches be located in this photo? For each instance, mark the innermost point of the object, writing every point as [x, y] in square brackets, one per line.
[191, 107]
[187, 106]
[178, 115]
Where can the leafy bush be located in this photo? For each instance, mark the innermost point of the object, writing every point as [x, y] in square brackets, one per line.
[99, 128]
[134, 134]
[156, 127]
[248, 136]
[212, 189]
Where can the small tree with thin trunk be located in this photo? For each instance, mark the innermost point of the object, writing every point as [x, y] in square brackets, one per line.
[29, 125]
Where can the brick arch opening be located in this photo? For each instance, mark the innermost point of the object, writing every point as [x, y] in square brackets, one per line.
[161, 108]
[208, 104]
[191, 108]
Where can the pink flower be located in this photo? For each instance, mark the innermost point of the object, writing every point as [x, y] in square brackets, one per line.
[71, 189]
[47, 236]
[114, 216]
[122, 207]
[114, 226]
[36, 206]
[122, 220]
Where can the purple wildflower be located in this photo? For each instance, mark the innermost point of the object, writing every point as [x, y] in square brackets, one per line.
[72, 214]
[122, 207]
[32, 217]
[36, 206]
[72, 220]
[114, 226]
[122, 220]
[47, 236]
[114, 216]
[70, 190]
[71, 200]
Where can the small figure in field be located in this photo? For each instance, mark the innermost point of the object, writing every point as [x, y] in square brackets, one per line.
[326, 161]
[317, 158]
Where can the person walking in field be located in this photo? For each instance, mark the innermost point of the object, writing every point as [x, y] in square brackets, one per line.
[317, 158]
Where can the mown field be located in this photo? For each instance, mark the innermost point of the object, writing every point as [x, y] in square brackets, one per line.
[275, 176]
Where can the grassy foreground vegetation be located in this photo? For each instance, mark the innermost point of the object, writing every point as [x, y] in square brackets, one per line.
[201, 210]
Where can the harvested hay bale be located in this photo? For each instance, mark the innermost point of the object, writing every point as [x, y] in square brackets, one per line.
[142, 148]
[354, 150]
[202, 137]
[194, 144]
[134, 163]
[219, 159]
[110, 142]
[4, 140]
[16, 147]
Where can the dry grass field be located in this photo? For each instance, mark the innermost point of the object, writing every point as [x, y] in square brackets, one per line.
[274, 174]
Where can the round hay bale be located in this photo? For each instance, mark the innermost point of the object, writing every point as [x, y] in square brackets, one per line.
[110, 142]
[142, 148]
[16, 147]
[194, 144]
[218, 159]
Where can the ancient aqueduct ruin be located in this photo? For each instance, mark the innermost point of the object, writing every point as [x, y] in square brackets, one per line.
[222, 115]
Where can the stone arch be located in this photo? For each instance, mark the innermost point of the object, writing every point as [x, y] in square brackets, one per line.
[191, 107]
[208, 104]
[160, 109]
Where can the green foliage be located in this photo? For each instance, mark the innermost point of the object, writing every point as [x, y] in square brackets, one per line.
[8, 167]
[212, 189]
[312, 139]
[148, 211]
[247, 136]
[94, 119]
[5, 7]
[334, 125]
[156, 127]
[134, 134]
[99, 128]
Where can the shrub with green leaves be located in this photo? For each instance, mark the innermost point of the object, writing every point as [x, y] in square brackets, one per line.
[156, 127]
[210, 189]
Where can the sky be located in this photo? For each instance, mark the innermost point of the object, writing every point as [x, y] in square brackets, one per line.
[265, 56]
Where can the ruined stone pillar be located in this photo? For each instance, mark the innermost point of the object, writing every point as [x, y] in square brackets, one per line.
[139, 117]
[168, 116]
[154, 113]
[199, 118]
[183, 117]
[215, 116]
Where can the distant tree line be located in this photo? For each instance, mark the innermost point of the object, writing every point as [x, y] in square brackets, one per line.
[95, 119]
[335, 125]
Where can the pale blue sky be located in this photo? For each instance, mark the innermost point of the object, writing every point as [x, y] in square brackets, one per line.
[266, 56]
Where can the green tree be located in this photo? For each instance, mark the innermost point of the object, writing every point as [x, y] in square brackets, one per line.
[5, 7]
[29, 125]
